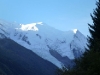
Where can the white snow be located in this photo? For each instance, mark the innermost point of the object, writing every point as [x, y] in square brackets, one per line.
[27, 27]
[75, 31]
[40, 38]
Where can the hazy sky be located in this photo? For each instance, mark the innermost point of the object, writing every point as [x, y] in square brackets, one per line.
[61, 14]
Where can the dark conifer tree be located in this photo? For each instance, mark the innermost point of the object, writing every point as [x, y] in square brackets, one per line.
[89, 63]
[94, 39]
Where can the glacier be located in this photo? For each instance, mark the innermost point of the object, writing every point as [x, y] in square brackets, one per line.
[42, 39]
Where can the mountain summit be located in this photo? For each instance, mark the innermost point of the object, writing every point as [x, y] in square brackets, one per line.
[58, 47]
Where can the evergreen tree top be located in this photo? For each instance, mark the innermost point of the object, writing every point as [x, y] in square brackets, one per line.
[94, 29]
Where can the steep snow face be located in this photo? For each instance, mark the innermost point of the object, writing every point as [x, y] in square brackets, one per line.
[41, 38]
[78, 44]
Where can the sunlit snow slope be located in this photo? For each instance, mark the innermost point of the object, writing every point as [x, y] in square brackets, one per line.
[41, 39]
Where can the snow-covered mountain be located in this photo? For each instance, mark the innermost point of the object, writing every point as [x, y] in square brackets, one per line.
[47, 42]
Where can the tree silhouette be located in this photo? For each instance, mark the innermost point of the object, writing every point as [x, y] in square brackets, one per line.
[89, 62]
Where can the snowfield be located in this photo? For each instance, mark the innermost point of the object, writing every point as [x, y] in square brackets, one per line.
[41, 38]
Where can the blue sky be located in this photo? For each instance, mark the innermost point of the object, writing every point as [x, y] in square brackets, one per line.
[61, 14]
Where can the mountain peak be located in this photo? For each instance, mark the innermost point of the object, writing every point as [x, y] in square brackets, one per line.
[75, 30]
[41, 38]
[40, 23]
[31, 26]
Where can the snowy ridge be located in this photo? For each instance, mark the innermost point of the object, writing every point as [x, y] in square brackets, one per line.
[41, 38]
[31, 26]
